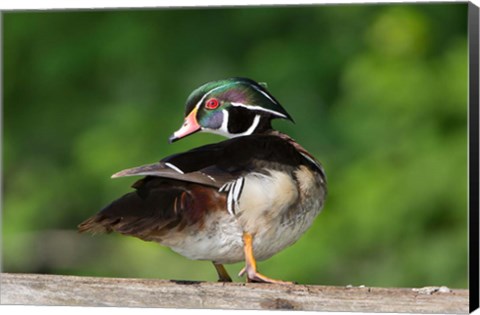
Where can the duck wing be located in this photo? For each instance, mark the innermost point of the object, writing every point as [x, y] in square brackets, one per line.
[181, 189]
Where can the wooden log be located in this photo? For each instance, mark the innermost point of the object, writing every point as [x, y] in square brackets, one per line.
[38, 289]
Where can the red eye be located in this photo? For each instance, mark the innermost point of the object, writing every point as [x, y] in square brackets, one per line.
[211, 103]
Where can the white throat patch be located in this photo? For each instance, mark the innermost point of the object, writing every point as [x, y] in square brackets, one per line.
[223, 130]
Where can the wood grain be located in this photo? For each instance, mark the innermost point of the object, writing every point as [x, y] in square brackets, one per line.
[38, 289]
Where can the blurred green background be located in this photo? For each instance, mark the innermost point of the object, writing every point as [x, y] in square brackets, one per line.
[378, 93]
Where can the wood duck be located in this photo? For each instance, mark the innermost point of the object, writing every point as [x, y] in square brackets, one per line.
[242, 199]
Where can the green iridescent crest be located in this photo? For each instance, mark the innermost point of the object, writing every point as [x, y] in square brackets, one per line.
[236, 92]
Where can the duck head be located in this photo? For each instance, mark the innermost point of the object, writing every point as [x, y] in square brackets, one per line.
[233, 107]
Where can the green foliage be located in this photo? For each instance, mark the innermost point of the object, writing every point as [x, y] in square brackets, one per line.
[378, 93]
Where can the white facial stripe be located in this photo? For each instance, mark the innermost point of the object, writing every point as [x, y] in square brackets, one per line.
[244, 105]
[264, 94]
[224, 126]
[208, 93]
[223, 130]
[254, 125]
[254, 107]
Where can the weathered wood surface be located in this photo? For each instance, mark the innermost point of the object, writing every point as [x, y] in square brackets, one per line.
[35, 289]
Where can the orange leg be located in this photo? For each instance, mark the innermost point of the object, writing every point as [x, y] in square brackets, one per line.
[222, 273]
[251, 265]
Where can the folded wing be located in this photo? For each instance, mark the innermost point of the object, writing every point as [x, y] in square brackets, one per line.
[179, 190]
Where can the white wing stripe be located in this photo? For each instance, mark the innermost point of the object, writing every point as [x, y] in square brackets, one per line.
[225, 187]
[173, 167]
[319, 166]
[238, 189]
[234, 189]
[230, 208]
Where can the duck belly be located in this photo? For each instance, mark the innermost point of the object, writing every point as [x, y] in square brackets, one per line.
[275, 209]
[218, 240]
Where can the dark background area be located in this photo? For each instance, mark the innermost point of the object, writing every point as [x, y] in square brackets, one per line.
[378, 93]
